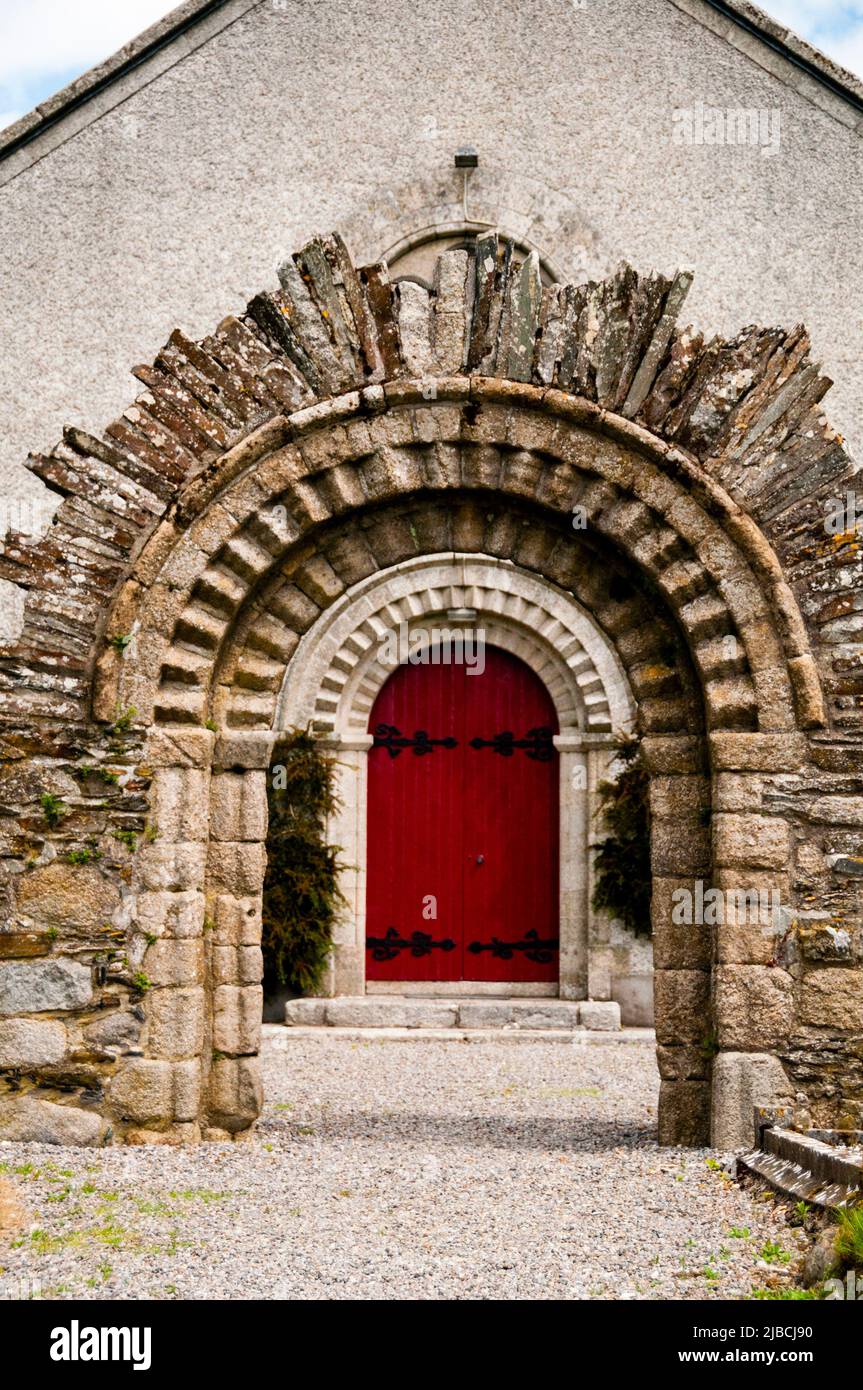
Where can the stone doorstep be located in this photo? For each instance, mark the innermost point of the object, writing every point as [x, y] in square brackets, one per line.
[277, 1037]
[405, 1012]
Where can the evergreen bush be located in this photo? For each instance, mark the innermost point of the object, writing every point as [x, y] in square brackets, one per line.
[301, 896]
[622, 860]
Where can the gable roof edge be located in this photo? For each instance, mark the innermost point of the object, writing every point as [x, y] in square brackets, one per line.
[743, 24]
[773, 46]
[178, 24]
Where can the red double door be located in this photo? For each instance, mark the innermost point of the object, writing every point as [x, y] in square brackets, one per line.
[463, 825]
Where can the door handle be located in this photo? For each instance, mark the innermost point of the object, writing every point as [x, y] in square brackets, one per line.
[480, 859]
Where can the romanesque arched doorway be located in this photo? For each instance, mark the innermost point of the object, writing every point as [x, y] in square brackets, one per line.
[463, 856]
[622, 498]
[345, 659]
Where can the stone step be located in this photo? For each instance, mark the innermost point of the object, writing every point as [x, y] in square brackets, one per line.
[402, 1011]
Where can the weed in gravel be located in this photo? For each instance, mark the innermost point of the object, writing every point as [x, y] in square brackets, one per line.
[202, 1194]
[772, 1253]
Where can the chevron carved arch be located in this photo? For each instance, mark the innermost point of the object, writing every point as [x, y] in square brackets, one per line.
[721, 582]
[335, 348]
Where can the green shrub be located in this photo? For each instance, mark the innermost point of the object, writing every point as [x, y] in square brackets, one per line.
[622, 860]
[54, 808]
[301, 896]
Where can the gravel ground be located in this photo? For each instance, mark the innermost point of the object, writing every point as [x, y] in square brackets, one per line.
[403, 1170]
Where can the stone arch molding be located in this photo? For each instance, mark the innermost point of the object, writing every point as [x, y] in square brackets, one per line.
[337, 674]
[342, 427]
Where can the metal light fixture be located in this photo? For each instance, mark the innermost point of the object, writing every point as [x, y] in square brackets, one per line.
[466, 159]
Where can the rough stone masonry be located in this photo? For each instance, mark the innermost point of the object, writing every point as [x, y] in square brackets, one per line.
[342, 425]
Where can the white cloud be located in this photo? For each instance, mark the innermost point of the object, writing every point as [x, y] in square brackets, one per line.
[55, 36]
[834, 26]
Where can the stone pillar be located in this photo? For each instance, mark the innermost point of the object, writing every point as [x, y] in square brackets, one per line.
[680, 861]
[347, 829]
[157, 1097]
[600, 762]
[574, 864]
[753, 991]
[584, 761]
[234, 963]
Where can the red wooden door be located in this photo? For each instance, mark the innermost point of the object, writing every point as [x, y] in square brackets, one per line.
[463, 825]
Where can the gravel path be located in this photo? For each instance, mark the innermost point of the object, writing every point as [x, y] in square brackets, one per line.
[403, 1170]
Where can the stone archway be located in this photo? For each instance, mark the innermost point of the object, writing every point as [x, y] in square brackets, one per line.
[340, 431]
[336, 674]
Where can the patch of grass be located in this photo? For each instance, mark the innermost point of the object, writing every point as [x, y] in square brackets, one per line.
[740, 1233]
[123, 719]
[104, 774]
[849, 1236]
[772, 1253]
[82, 856]
[200, 1194]
[140, 982]
[155, 1208]
[127, 838]
[120, 641]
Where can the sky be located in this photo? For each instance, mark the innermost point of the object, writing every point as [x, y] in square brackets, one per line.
[45, 44]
